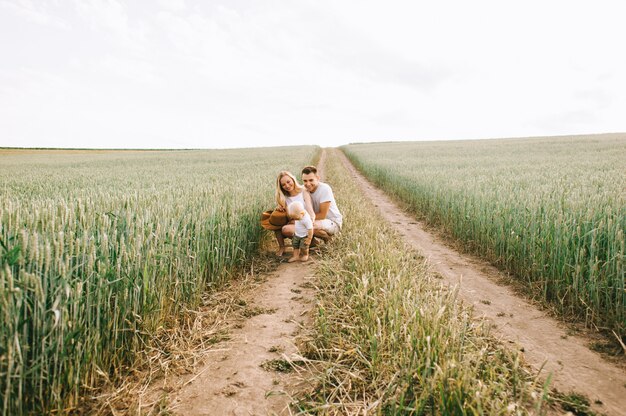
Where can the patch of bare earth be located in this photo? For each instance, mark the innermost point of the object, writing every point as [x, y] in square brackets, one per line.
[545, 343]
[250, 374]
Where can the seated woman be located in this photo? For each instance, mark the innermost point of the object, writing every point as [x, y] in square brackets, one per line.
[289, 190]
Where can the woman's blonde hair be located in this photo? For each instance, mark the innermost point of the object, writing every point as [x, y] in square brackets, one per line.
[280, 193]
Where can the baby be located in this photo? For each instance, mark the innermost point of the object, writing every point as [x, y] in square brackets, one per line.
[303, 232]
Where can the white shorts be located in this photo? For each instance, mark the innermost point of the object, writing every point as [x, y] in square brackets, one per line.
[330, 226]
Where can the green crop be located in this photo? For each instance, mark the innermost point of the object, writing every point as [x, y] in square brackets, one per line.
[550, 210]
[98, 249]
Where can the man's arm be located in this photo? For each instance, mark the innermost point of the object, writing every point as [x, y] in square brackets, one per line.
[324, 207]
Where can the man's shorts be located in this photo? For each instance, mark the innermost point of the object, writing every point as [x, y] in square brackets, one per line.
[299, 242]
[330, 226]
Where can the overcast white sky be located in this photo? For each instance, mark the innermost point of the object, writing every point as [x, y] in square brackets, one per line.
[238, 73]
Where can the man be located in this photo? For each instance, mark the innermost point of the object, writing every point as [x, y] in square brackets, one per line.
[327, 216]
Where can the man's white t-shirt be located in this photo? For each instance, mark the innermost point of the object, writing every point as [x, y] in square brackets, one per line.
[303, 225]
[324, 193]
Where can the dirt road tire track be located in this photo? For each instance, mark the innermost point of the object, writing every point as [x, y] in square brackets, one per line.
[543, 340]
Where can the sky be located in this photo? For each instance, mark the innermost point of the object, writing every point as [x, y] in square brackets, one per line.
[244, 73]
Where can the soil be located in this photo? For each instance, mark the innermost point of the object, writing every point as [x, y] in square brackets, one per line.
[250, 374]
[546, 344]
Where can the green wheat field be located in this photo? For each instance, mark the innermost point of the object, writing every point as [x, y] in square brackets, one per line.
[552, 211]
[99, 250]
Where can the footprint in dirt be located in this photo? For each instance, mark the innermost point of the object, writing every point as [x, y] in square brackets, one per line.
[233, 388]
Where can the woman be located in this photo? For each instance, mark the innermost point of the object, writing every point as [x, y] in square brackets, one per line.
[288, 190]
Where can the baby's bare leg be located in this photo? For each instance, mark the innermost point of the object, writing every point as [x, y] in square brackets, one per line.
[296, 254]
[305, 254]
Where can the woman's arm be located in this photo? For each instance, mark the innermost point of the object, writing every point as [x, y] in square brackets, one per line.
[308, 205]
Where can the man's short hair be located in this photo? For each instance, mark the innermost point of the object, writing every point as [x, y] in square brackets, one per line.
[309, 169]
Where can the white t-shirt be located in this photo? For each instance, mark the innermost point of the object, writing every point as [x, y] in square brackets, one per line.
[303, 225]
[299, 197]
[324, 193]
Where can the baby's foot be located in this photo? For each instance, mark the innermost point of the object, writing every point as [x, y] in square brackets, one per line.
[304, 258]
[291, 260]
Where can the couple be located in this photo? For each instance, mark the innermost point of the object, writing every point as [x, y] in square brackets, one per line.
[317, 199]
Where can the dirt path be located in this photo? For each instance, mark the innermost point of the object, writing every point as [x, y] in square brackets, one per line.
[541, 338]
[243, 375]
[232, 380]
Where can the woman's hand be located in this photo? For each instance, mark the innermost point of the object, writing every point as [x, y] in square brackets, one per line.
[279, 208]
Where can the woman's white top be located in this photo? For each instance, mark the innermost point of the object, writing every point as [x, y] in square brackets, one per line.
[299, 198]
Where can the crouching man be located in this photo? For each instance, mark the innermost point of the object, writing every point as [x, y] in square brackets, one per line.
[327, 216]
